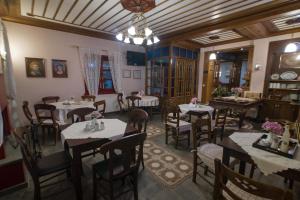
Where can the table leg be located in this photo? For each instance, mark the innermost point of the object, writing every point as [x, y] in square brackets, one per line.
[76, 173]
[226, 157]
[242, 117]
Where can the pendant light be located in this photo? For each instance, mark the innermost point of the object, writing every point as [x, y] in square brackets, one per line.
[212, 56]
[291, 47]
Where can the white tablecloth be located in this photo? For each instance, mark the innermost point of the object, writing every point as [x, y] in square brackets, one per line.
[64, 109]
[267, 162]
[147, 101]
[113, 127]
[184, 108]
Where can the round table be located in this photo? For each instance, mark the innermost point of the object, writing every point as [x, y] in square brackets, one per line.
[63, 109]
[148, 101]
[185, 108]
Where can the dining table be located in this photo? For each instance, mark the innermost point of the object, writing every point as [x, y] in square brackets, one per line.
[77, 139]
[64, 107]
[239, 104]
[239, 146]
[148, 103]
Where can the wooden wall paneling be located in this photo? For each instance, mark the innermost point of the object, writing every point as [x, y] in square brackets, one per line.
[249, 67]
[210, 80]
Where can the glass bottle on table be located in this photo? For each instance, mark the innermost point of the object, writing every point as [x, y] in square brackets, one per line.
[285, 140]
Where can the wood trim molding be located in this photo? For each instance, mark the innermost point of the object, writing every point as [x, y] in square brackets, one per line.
[240, 19]
[58, 27]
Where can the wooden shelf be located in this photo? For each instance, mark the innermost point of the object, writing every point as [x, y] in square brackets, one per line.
[285, 89]
[284, 81]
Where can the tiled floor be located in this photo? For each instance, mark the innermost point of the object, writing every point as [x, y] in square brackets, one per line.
[149, 186]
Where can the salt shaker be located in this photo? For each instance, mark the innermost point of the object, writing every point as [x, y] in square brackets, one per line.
[101, 125]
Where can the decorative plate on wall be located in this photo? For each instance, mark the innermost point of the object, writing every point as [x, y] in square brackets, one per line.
[275, 76]
[288, 75]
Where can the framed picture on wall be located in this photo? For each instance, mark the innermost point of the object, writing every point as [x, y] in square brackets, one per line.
[290, 60]
[35, 67]
[126, 73]
[137, 74]
[59, 68]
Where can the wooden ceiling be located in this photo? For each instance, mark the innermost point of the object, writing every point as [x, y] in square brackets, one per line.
[205, 22]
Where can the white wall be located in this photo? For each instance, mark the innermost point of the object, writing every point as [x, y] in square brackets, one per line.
[29, 41]
[260, 56]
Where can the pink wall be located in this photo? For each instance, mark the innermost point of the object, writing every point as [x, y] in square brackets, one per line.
[29, 41]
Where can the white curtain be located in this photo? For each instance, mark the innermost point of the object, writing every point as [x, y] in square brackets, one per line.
[115, 63]
[10, 84]
[90, 60]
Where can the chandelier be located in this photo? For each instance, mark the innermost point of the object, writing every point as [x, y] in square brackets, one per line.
[138, 30]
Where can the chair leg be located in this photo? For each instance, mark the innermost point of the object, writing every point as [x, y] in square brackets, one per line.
[291, 184]
[176, 142]
[252, 170]
[167, 136]
[94, 186]
[205, 170]
[111, 191]
[37, 192]
[189, 139]
[135, 188]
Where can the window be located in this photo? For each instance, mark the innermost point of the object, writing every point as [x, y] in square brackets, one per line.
[105, 83]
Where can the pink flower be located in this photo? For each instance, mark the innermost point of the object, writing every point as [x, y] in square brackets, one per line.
[273, 127]
[194, 100]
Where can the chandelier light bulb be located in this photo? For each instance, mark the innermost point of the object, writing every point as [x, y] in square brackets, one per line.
[126, 40]
[155, 39]
[119, 36]
[212, 56]
[291, 47]
[131, 30]
[148, 32]
[138, 40]
[149, 42]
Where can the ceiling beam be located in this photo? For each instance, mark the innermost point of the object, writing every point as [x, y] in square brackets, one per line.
[239, 19]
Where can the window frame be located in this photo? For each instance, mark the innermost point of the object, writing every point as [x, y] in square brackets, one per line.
[101, 89]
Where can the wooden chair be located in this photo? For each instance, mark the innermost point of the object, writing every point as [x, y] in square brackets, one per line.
[100, 107]
[232, 185]
[88, 98]
[46, 118]
[44, 169]
[133, 102]
[138, 118]
[50, 99]
[122, 105]
[180, 129]
[122, 168]
[220, 121]
[134, 93]
[79, 114]
[28, 113]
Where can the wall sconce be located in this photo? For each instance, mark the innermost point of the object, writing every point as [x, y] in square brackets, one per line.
[257, 67]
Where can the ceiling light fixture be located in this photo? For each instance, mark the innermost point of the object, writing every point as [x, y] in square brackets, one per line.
[212, 56]
[138, 29]
[292, 46]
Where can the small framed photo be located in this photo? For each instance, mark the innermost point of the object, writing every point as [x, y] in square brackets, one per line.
[126, 73]
[137, 74]
[59, 68]
[35, 67]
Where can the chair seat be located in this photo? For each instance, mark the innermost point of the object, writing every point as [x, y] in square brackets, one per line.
[181, 115]
[53, 163]
[50, 122]
[96, 114]
[183, 125]
[208, 153]
[240, 193]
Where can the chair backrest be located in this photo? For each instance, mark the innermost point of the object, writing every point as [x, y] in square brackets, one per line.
[88, 98]
[80, 113]
[138, 118]
[120, 101]
[50, 99]
[128, 159]
[28, 158]
[201, 127]
[134, 93]
[244, 184]
[172, 114]
[221, 117]
[45, 112]
[132, 101]
[100, 106]
[26, 111]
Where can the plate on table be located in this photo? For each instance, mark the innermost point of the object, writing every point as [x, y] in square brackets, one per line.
[288, 75]
[275, 76]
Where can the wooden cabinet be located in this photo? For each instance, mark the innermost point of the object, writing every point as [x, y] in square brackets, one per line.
[172, 72]
[276, 109]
